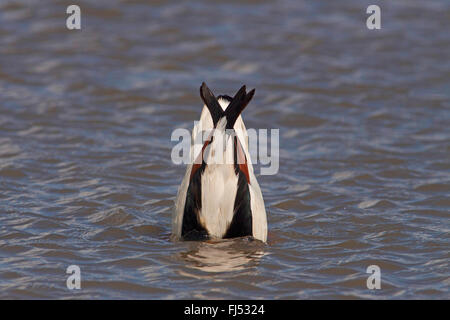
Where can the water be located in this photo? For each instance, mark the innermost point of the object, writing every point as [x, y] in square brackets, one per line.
[86, 176]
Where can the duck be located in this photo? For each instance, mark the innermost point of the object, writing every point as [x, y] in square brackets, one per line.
[220, 199]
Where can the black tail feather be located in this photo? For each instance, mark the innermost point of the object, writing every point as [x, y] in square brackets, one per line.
[232, 117]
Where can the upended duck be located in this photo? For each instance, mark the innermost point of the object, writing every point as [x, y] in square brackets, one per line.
[220, 199]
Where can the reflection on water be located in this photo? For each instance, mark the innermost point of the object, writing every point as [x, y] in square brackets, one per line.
[223, 256]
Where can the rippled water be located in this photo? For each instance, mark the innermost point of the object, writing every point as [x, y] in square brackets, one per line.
[85, 124]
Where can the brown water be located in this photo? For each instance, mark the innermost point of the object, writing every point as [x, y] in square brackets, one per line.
[86, 118]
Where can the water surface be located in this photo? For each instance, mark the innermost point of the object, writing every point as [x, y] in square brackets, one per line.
[86, 118]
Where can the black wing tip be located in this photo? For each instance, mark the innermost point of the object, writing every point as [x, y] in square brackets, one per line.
[245, 96]
[236, 104]
[210, 100]
[204, 90]
[241, 91]
[249, 96]
[240, 100]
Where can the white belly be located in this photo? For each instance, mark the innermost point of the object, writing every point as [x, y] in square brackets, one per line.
[219, 187]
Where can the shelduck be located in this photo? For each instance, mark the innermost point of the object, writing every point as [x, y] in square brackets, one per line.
[220, 199]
